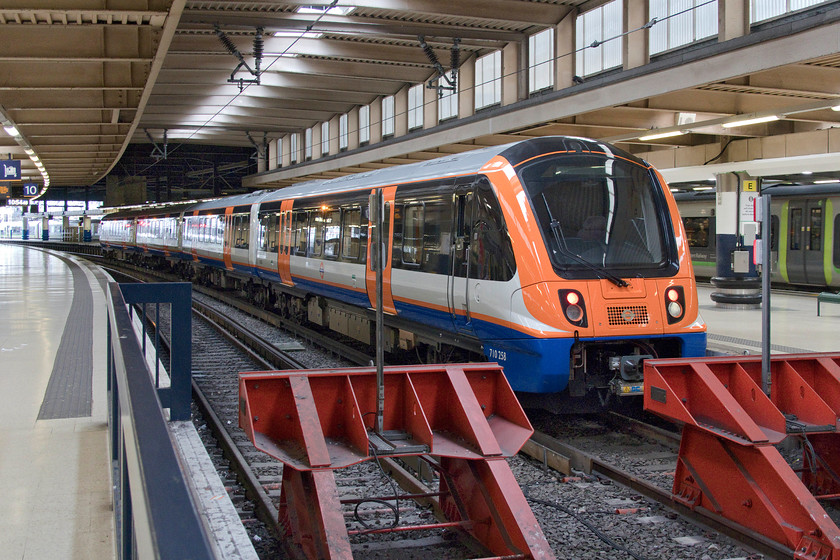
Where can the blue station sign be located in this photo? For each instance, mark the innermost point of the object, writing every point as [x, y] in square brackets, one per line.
[10, 170]
[30, 189]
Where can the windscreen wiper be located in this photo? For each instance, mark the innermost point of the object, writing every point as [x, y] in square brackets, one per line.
[560, 239]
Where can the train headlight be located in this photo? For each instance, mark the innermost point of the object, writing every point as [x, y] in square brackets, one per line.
[674, 309]
[573, 307]
[675, 303]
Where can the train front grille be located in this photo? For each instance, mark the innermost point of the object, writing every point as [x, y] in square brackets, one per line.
[627, 315]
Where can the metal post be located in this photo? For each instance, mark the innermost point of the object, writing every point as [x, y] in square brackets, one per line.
[765, 293]
[380, 314]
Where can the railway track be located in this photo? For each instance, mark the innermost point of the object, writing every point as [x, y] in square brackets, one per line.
[616, 512]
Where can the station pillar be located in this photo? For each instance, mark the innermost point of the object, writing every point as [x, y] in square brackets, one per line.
[25, 228]
[65, 226]
[86, 227]
[45, 229]
[736, 280]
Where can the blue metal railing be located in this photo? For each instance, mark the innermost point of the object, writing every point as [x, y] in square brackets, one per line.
[154, 511]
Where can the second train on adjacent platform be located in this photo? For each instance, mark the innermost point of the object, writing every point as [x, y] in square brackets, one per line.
[807, 253]
[563, 259]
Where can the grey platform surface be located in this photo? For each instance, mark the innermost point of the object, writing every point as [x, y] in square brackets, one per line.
[68, 393]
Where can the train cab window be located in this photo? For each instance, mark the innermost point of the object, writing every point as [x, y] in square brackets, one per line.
[491, 252]
[697, 231]
[794, 233]
[332, 233]
[412, 233]
[300, 232]
[598, 212]
[815, 230]
[351, 233]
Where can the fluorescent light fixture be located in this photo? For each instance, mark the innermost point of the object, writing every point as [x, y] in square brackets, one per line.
[11, 130]
[658, 135]
[807, 172]
[827, 181]
[35, 158]
[282, 55]
[29, 151]
[334, 11]
[836, 108]
[299, 34]
[756, 120]
[702, 188]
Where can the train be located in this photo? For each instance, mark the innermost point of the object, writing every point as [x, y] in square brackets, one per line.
[808, 215]
[563, 259]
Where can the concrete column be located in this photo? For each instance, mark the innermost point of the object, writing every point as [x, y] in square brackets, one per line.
[286, 153]
[353, 129]
[316, 141]
[401, 112]
[512, 82]
[564, 42]
[45, 229]
[334, 133]
[376, 121]
[87, 237]
[736, 280]
[466, 88]
[635, 46]
[733, 19]
[25, 228]
[430, 107]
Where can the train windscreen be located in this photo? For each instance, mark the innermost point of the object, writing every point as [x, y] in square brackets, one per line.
[598, 213]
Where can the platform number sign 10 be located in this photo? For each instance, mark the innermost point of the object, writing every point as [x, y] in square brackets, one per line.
[30, 189]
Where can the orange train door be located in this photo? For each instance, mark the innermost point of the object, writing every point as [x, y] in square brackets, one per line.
[284, 268]
[196, 235]
[227, 240]
[388, 194]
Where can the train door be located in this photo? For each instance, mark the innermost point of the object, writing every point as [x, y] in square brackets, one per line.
[284, 255]
[388, 195]
[227, 239]
[806, 223]
[458, 296]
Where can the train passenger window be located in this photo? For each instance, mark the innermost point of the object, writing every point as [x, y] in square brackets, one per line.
[795, 229]
[491, 253]
[300, 232]
[697, 231]
[332, 233]
[386, 228]
[351, 233]
[316, 235]
[241, 230]
[412, 233]
[815, 236]
[836, 256]
[437, 234]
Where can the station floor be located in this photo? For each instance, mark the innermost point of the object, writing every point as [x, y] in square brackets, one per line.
[794, 325]
[55, 482]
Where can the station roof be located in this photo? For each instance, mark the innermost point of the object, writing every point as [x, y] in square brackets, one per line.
[84, 80]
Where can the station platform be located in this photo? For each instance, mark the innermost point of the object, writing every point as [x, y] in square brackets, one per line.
[55, 467]
[794, 325]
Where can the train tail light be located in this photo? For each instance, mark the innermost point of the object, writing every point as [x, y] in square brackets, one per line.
[573, 306]
[674, 303]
